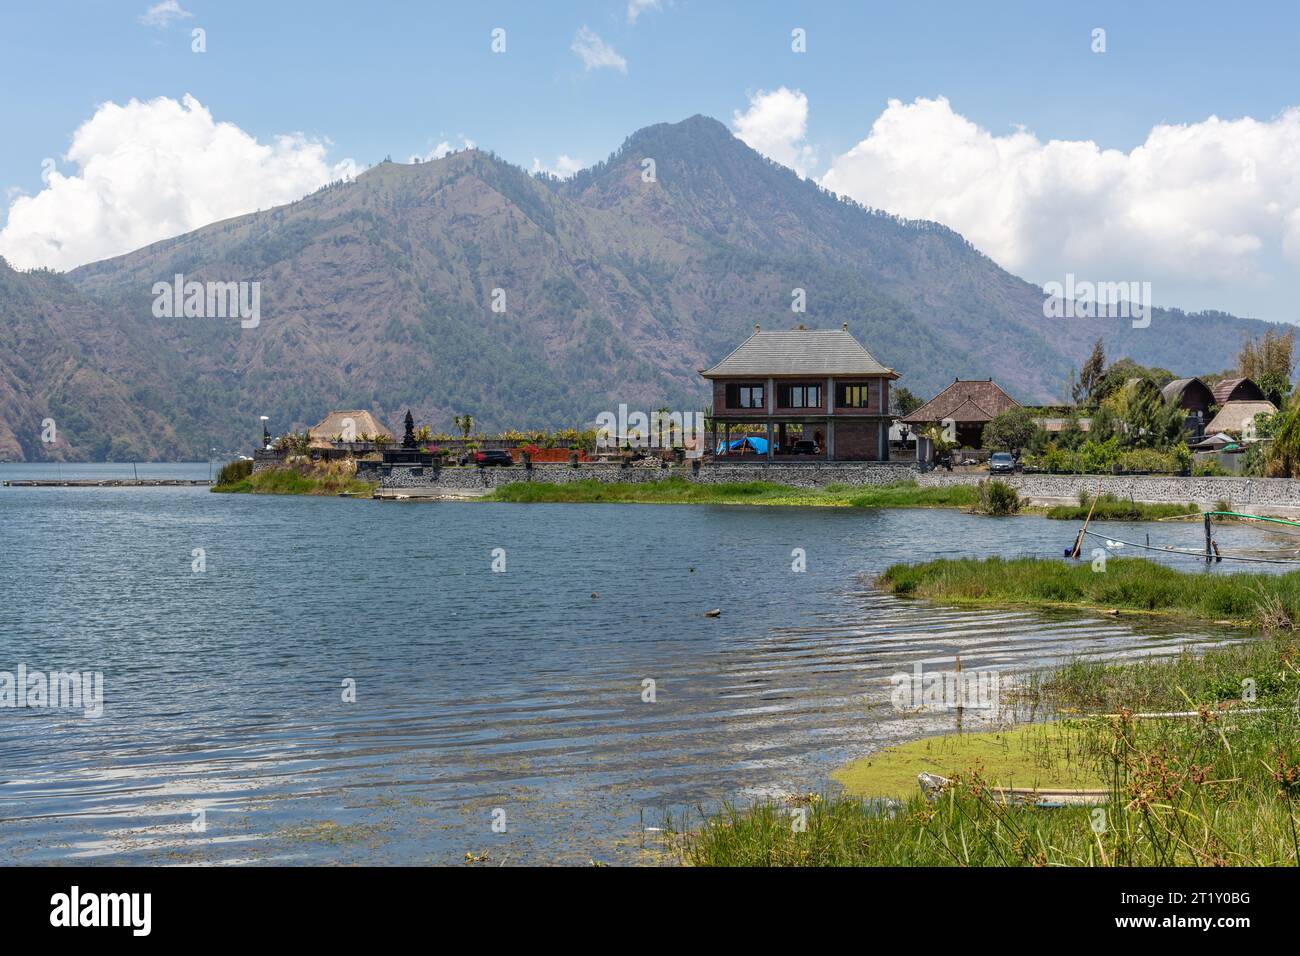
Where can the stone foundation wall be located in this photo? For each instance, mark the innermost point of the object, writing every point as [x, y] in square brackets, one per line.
[1240, 492]
[262, 460]
[799, 476]
[1150, 488]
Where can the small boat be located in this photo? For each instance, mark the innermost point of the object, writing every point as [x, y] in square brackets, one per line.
[1186, 714]
[932, 785]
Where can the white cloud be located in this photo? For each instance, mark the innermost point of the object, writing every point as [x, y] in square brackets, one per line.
[776, 125]
[1209, 205]
[637, 7]
[441, 150]
[565, 166]
[151, 170]
[595, 53]
[160, 15]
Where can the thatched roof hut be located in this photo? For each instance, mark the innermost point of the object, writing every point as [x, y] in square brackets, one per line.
[1234, 417]
[354, 422]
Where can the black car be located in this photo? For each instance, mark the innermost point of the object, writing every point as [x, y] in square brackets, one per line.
[484, 459]
[805, 447]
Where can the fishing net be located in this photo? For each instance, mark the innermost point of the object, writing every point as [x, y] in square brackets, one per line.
[1279, 539]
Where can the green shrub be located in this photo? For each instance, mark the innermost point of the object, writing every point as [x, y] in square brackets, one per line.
[1146, 459]
[1099, 458]
[995, 497]
[234, 472]
[1094, 458]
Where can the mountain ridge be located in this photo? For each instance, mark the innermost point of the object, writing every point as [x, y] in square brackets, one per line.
[379, 293]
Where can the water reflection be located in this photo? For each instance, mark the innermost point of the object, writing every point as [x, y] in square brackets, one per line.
[475, 691]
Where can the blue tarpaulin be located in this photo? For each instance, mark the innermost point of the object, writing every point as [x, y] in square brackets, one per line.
[758, 444]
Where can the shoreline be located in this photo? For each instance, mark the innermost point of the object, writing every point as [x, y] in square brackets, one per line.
[1164, 762]
[1038, 491]
[678, 490]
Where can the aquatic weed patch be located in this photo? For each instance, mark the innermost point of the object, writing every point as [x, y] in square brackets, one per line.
[1110, 507]
[1132, 584]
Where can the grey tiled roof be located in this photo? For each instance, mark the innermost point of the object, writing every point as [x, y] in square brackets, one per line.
[799, 352]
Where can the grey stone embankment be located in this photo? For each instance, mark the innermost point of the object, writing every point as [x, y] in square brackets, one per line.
[1258, 493]
[450, 481]
[1154, 489]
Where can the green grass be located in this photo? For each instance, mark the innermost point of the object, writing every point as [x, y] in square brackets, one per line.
[1211, 790]
[293, 481]
[681, 491]
[1111, 508]
[1212, 678]
[1128, 584]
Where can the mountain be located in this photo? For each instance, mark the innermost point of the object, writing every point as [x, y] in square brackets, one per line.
[105, 382]
[616, 287]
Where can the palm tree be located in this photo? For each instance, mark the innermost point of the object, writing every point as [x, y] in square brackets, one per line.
[662, 418]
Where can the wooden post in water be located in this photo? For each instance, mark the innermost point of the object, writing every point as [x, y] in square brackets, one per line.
[1209, 544]
[959, 694]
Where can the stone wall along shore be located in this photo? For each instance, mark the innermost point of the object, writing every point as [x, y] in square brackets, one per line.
[1239, 492]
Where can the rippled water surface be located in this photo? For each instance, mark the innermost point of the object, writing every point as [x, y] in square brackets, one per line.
[475, 691]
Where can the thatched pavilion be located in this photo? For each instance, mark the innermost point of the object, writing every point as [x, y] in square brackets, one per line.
[347, 425]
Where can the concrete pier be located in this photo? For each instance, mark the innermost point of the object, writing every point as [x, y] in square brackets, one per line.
[105, 482]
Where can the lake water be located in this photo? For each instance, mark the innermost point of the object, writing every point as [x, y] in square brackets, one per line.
[479, 696]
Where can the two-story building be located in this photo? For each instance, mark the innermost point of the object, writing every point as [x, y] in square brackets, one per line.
[811, 392]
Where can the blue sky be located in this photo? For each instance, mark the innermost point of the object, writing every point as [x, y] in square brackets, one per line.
[396, 78]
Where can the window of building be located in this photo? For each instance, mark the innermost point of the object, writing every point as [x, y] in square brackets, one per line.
[853, 395]
[744, 396]
[799, 396]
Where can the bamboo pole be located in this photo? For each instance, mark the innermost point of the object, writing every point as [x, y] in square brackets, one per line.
[1078, 544]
